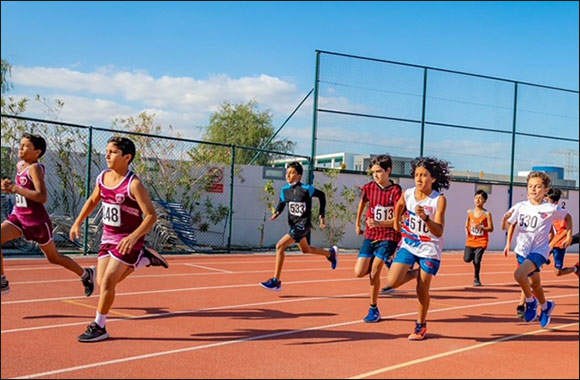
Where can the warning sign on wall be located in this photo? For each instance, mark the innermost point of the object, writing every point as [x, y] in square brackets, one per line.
[216, 183]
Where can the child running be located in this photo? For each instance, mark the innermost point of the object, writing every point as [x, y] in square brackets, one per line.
[531, 221]
[29, 217]
[381, 240]
[478, 225]
[422, 233]
[128, 215]
[299, 199]
[559, 237]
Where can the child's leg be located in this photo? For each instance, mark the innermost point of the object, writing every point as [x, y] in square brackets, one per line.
[536, 285]
[9, 232]
[478, 257]
[54, 257]
[114, 271]
[423, 286]
[306, 248]
[399, 274]
[559, 268]
[285, 242]
[362, 267]
[375, 279]
[521, 277]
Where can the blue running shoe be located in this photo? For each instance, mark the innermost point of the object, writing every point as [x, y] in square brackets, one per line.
[333, 257]
[373, 316]
[272, 284]
[531, 311]
[546, 315]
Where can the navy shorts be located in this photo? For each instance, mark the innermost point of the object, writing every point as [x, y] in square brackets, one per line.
[298, 232]
[429, 266]
[383, 249]
[559, 254]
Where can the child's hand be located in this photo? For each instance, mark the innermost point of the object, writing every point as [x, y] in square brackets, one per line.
[506, 250]
[359, 230]
[507, 215]
[322, 222]
[274, 216]
[74, 232]
[125, 245]
[420, 212]
[8, 185]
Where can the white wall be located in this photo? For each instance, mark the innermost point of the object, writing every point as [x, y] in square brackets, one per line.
[249, 210]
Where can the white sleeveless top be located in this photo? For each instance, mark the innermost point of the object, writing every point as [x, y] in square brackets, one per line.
[416, 237]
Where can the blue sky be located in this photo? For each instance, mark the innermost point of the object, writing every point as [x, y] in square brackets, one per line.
[180, 60]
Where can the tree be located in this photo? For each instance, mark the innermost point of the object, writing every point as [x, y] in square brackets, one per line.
[340, 209]
[242, 124]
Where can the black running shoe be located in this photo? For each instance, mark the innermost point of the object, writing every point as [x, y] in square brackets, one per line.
[89, 281]
[94, 333]
[155, 258]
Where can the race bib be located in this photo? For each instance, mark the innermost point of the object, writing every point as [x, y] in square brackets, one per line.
[111, 215]
[20, 201]
[297, 208]
[476, 231]
[417, 225]
[384, 213]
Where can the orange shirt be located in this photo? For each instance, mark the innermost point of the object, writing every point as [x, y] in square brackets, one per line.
[559, 226]
[477, 237]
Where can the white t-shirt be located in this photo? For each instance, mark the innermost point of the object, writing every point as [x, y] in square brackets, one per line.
[416, 236]
[533, 225]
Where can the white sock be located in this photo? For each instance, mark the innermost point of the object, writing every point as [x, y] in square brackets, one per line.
[101, 319]
[531, 299]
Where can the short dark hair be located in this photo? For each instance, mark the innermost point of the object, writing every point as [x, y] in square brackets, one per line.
[125, 145]
[482, 192]
[383, 160]
[37, 141]
[297, 166]
[554, 194]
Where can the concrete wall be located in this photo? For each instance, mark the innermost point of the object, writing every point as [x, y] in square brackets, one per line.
[249, 210]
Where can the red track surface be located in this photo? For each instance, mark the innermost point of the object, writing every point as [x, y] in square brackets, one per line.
[206, 317]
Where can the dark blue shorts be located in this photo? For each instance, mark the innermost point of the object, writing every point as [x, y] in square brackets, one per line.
[383, 249]
[536, 258]
[559, 254]
[298, 233]
[430, 266]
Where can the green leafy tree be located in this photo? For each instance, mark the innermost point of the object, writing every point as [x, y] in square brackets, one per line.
[340, 208]
[242, 124]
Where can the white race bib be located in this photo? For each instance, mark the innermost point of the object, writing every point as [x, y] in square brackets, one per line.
[476, 231]
[296, 208]
[20, 201]
[417, 225]
[384, 213]
[111, 215]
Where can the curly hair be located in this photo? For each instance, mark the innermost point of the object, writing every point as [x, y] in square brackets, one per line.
[439, 170]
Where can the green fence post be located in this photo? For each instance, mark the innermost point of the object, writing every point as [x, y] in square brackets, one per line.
[511, 189]
[231, 213]
[88, 188]
[422, 146]
[314, 120]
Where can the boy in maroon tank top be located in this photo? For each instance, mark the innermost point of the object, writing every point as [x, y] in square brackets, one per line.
[128, 215]
[29, 217]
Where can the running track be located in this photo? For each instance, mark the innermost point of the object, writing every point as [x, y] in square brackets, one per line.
[206, 317]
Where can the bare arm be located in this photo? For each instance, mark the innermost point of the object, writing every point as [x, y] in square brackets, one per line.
[87, 209]
[489, 227]
[40, 193]
[359, 213]
[510, 234]
[399, 210]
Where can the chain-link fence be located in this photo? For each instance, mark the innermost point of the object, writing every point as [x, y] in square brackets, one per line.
[490, 129]
[206, 196]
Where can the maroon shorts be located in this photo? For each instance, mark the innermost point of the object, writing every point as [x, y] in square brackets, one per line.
[40, 233]
[131, 258]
